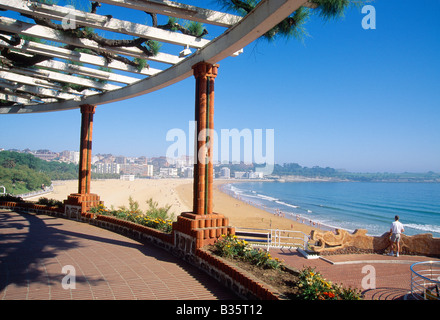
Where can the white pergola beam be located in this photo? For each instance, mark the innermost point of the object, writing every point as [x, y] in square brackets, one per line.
[33, 30]
[31, 86]
[84, 71]
[179, 10]
[81, 18]
[64, 78]
[6, 90]
[62, 53]
[13, 98]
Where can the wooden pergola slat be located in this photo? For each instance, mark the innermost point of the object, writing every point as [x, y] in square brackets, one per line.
[81, 18]
[179, 10]
[19, 27]
[63, 53]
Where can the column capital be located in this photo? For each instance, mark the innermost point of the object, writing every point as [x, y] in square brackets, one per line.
[88, 108]
[204, 69]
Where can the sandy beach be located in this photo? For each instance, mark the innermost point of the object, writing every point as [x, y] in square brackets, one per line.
[178, 193]
[115, 193]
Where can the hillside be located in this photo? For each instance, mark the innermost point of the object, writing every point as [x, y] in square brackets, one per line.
[22, 172]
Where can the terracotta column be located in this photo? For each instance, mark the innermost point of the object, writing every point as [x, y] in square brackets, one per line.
[205, 75]
[202, 226]
[85, 152]
[81, 202]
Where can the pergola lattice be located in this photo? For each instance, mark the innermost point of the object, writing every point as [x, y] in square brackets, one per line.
[38, 88]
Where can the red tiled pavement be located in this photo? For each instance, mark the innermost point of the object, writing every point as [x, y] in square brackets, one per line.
[109, 266]
[392, 274]
[34, 249]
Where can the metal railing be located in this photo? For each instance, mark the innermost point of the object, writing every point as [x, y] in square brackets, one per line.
[425, 280]
[273, 238]
[36, 193]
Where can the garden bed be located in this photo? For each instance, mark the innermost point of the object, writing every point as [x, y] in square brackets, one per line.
[305, 284]
[283, 280]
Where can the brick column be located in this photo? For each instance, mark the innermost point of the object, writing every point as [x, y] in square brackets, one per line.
[81, 202]
[201, 227]
[205, 75]
[85, 149]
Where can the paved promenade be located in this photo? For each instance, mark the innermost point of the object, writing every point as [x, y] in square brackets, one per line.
[108, 266]
[35, 249]
[379, 277]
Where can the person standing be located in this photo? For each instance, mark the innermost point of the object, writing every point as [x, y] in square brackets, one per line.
[396, 230]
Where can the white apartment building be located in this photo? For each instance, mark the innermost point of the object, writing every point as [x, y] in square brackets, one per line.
[127, 177]
[240, 175]
[107, 168]
[168, 172]
[70, 156]
[256, 175]
[225, 173]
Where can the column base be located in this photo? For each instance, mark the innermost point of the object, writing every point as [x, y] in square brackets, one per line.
[78, 203]
[193, 231]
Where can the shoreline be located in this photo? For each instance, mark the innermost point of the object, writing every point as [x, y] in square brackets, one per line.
[178, 193]
[298, 218]
[242, 214]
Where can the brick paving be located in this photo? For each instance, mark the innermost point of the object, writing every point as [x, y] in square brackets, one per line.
[392, 274]
[108, 266]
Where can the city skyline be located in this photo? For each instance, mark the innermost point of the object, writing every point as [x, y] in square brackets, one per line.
[184, 161]
[346, 98]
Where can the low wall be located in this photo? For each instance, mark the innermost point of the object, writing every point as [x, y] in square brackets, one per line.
[329, 242]
[243, 284]
[36, 208]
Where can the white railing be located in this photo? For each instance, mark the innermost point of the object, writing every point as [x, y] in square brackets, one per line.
[273, 238]
[425, 280]
[29, 194]
[36, 193]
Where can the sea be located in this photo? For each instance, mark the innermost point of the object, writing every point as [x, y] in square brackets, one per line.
[348, 205]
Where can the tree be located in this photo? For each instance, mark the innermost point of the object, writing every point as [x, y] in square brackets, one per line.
[293, 25]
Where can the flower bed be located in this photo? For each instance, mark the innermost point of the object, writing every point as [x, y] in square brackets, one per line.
[313, 286]
[231, 247]
[154, 217]
[306, 284]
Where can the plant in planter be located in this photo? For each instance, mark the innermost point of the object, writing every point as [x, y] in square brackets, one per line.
[231, 247]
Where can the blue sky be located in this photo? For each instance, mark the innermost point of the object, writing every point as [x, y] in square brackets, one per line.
[362, 100]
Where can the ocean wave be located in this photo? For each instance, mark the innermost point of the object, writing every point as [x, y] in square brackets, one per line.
[262, 196]
[286, 204]
[423, 227]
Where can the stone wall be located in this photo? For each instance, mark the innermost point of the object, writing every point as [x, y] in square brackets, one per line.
[327, 242]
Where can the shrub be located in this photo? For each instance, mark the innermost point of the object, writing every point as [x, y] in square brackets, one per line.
[155, 217]
[10, 198]
[50, 202]
[231, 247]
[313, 286]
